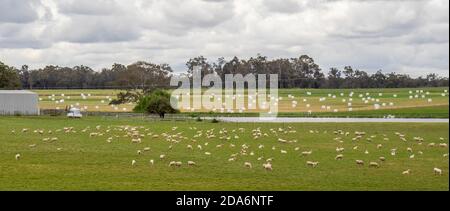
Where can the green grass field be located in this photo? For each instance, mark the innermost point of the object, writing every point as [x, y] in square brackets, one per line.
[77, 161]
[406, 103]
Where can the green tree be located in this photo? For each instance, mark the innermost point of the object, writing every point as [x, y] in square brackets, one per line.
[157, 102]
[9, 78]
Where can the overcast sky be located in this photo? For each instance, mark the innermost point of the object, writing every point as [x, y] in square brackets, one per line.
[405, 36]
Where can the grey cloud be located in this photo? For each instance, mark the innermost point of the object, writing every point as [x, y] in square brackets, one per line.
[14, 11]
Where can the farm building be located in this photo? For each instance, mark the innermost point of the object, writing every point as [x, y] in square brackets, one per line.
[18, 102]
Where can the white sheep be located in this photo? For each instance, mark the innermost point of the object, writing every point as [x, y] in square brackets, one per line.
[360, 162]
[152, 162]
[339, 157]
[283, 152]
[191, 163]
[382, 159]
[18, 156]
[312, 164]
[306, 153]
[133, 162]
[374, 165]
[407, 172]
[267, 166]
[248, 165]
[437, 171]
[162, 157]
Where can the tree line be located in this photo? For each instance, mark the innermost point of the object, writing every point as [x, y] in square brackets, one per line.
[301, 72]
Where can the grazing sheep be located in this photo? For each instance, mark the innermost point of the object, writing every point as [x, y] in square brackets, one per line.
[382, 159]
[267, 166]
[366, 152]
[162, 157]
[339, 150]
[18, 156]
[374, 165]
[32, 145]
[190, 147]
[152, 162]
[445, 155]
[437, 171]
[360, 162]
[379, 146]
[443, 145]
[248, 165]
[412, 156]
[172, 163]
[306, 153]
[231, 159]
[283, 152]
[191, 163]
[207, 153]
[312, 164]
[139, 152]
[339, 157]
[133, 162]
[431, 145]
[407, 172]
[409, 149]
[146, 149]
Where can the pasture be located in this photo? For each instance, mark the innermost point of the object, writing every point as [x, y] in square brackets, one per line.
[100, 153]
[426, 102]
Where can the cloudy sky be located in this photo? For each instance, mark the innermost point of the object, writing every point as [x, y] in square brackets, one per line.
[405, 36]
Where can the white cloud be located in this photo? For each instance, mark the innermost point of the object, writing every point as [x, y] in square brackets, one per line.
[407, 36]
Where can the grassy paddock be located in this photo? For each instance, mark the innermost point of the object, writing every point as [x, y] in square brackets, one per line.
[396, 102]
[77, 162]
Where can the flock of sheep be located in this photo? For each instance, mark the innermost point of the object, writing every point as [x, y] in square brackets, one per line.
[200, 139]
[350, 100]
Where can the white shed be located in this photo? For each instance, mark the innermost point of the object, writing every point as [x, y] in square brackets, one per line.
[18, 102]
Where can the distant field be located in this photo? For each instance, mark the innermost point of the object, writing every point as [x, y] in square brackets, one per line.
[427, 102]
[77, 160]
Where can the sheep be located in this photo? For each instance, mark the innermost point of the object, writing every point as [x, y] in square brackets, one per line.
[437, 171]
[269, 160]
[339, 150]
[152, 162]
[445, 155]
[382, 159]
[18, 156]
[297, 148]
[379, 146]
[366, 152]
[178, 164]
[312, 164]
[248, 165]
[359, 162]
[32, 145]
[306, 153]
[189, 147]
[409, 149]
[207, 153]
[443, 145]
[139, 152]
[231, 159]
[412, 156]
[339, 157]
[374, 165]
[407, 172]
[191, 163]
[283, 152]
[172, 163]
[133, 162]
[431, 145]
[146, 149]
[162, 157]
[267, 166]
